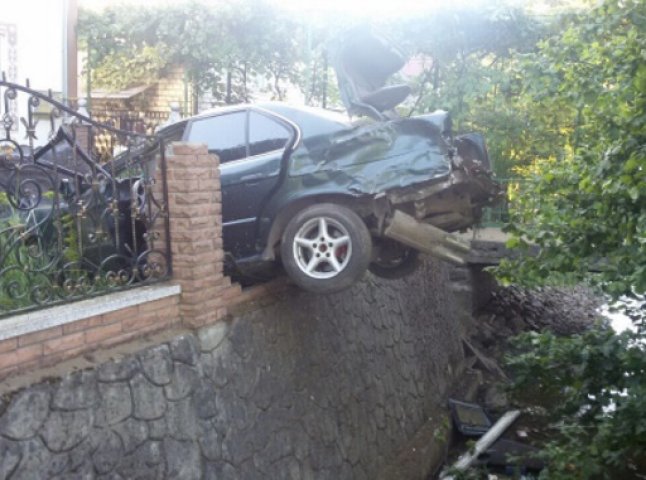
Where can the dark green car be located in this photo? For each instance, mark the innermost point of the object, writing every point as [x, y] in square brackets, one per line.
[332, 197]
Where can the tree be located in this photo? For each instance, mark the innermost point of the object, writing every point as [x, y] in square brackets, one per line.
[584, 205]
[220, 47]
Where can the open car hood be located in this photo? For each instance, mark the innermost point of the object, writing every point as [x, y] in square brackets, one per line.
[364, 60]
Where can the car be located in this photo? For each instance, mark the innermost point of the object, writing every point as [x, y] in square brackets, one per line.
[326, 195]
[317, 190]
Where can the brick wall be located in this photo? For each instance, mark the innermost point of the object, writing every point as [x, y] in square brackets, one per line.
[43, 348]
[169, 89]
[194, 204]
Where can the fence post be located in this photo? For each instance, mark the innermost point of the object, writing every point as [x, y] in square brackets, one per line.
[194, 207]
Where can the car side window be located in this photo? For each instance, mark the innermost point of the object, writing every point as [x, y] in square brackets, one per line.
[225, 135]
[266, 134]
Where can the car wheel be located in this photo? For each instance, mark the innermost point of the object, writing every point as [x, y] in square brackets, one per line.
[394, 261]
[326, 248]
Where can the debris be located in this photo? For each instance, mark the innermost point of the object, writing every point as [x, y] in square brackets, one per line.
[487, 363]
[495, 398]
[470, 419]
[511, 456]
[522, 434]
[466, 460]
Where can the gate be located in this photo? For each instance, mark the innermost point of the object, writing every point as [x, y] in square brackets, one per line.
[75, 221]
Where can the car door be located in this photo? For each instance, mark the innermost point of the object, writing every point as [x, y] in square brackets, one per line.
[251, 145]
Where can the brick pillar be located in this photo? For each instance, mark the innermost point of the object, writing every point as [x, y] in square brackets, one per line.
[194, 206]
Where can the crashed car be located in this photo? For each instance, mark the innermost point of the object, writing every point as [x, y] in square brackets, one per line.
[329, 196]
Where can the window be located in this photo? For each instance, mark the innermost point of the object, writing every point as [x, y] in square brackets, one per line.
[266, 134]
[225, 135]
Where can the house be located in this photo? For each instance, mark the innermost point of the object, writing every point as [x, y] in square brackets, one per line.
[37, 42]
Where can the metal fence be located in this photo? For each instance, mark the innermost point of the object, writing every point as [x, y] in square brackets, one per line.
[75, 220]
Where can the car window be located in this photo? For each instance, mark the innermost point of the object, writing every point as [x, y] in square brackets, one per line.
[223, 134]
[266, 134]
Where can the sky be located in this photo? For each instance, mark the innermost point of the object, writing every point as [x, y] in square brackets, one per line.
[370, 9]
[359, 8]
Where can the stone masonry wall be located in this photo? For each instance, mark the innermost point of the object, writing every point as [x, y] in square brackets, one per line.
[308, 387]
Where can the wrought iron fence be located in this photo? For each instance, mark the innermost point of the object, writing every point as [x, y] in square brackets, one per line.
[75, 221]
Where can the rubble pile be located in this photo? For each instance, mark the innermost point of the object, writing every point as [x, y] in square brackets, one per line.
[564, 311]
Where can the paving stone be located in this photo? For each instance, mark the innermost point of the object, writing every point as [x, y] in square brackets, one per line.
[149, 400]
[157, 365]
[63, 430]
[78, 390]
[26, 413]
[185, 349]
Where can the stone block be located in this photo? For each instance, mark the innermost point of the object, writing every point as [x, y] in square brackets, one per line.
[118, 369]
[116, 403]
[211, 337]
[149, 400]
[26, 413]
[62, 430]
[184, 380]
[77, 390]
[132, 433]
[185, 349]
[156, 364]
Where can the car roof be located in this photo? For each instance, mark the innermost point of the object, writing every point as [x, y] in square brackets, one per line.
[310, 120]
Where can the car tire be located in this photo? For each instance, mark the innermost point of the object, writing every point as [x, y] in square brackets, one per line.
[396, 261]
[326, 248]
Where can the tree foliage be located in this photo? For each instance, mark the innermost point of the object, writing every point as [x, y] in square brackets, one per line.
[591, 391]
[584, 203]
[220, 46]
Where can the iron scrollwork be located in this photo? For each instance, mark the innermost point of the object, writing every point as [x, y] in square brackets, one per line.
[75, 220]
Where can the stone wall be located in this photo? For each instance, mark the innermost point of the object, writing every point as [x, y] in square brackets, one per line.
[306, 387]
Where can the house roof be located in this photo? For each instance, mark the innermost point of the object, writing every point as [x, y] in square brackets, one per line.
[119, 95]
